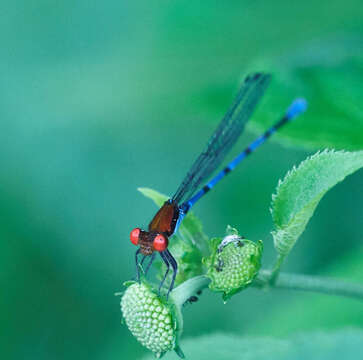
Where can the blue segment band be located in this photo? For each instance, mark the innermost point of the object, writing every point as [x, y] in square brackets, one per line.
[218, 177]
[257, 143]
[296, 108]
[195, 198]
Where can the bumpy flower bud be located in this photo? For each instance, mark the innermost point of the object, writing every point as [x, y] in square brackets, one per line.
[149, 319]
[233, 264]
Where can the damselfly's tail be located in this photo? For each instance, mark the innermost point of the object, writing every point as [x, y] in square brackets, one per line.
[297, 107]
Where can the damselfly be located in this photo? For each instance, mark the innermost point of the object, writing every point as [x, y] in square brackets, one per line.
[167, 220]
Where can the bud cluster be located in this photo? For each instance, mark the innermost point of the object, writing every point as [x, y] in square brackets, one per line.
[233, 264]
[148, 318]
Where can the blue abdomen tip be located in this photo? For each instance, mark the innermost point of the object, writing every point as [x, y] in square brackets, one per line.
[297, 107]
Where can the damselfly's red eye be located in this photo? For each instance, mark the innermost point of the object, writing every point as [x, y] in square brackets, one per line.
[160, 243]
[134, 236]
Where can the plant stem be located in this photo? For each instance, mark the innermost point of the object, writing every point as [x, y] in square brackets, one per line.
[276, 269]
[286, 281]
[309, 283]
[188, 288]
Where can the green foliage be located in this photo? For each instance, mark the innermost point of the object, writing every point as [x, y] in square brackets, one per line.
[318, 345]
[233, 262]
[328, 74]
[294, 311]
[154, 195]
[101, 97]
[301, 190]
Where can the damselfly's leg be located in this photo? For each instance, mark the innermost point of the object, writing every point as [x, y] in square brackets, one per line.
[174, 265]
[166, 261]
[137, 265]
[150, 262]
[143, 259]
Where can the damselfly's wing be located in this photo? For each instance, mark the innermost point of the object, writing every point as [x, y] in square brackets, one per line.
[225, 136]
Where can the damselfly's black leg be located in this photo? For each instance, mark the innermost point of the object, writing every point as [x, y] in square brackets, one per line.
[166, 261]
[137, 265]
[143, 259]
[150, 262]
[174, 265]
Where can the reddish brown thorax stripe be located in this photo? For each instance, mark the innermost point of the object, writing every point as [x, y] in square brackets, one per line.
[165, 220]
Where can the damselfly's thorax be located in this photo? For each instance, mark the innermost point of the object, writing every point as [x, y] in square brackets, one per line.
[166, 219]
[161, 227]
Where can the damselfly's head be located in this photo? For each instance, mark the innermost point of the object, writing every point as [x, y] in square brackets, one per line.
[149, 241]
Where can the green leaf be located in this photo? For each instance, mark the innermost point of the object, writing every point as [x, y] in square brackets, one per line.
[301, 190]
[328, 74]
[157, 197]
[188, 245]
[344, 344]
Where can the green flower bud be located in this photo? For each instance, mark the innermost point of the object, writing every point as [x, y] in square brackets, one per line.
[233, 264]
[149, 318]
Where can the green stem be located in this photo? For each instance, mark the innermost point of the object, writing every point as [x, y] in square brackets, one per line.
[276, 269]
[286, 281]
[188, 288]
[309, 283]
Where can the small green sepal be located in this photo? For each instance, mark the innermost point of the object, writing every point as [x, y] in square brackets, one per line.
[233, 264]
[128, 283]
[179, 352]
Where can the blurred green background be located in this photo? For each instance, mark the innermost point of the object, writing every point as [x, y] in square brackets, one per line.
[99, 98]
